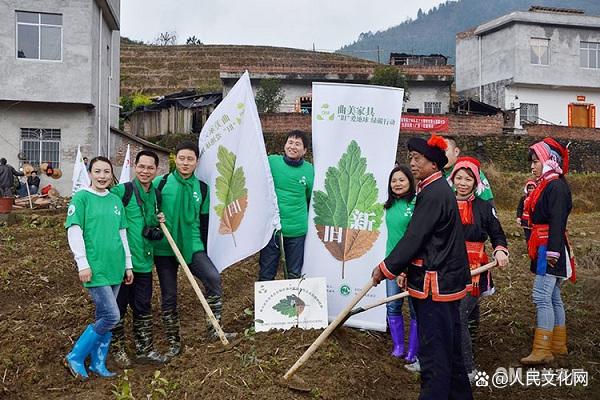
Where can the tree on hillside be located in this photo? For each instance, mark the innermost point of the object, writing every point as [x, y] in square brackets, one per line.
[269, 95]
[193, 40]
[388, 75]
[166, 39]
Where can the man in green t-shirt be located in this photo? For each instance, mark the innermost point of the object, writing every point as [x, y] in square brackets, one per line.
[293, 178]
[452, 153]
[140, 201]
[184, 203]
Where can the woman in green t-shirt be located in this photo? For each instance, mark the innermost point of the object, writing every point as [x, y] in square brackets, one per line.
[96, 228]
[398, 212]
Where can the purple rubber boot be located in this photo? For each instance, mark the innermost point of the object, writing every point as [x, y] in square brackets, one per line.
[413, 342]
[396, 324]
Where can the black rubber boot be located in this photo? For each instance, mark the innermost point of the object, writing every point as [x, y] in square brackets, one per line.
[119, 349]
[216, 306]
[144, 343]
[171, 322]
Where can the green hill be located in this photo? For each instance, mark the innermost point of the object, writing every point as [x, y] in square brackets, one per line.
[434, 32]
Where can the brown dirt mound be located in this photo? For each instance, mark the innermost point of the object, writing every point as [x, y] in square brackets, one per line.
[43, 309]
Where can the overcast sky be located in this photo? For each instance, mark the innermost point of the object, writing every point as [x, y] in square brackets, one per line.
[329, 24]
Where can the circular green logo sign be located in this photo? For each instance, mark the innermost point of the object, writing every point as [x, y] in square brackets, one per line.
[345, 290]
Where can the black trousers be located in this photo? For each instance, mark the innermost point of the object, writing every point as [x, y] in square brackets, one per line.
[138, 295]
[201, 267]
[443, 374]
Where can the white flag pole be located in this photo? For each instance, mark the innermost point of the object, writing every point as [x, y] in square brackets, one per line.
[80, 178]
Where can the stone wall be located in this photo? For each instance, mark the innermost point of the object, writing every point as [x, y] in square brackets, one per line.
[480, 136]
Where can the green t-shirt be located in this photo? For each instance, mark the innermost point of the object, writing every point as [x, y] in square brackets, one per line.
[142, 249]
[293, 187]
[182, 203]
[486, 194]
[100, 219]
[397, 218]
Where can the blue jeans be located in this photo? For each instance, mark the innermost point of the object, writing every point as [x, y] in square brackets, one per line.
[107, 310]
[294, 257]
[546, 296]
[394, 308]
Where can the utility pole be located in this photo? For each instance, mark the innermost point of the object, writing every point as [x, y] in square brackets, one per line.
[378, 58]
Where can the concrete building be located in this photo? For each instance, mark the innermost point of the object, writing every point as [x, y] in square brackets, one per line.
[430, 81]
[544, 63]
[59, 82]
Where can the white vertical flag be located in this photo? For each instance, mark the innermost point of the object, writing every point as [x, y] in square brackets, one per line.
[80, 179]
[233, 163]
[355, 137]
[126, 170]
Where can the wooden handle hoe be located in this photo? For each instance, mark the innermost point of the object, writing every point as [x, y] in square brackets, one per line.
[190, 277]
[330, 328]
[348, 312]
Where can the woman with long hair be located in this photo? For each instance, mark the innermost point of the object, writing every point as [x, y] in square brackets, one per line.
[96, 228]
[398, 212]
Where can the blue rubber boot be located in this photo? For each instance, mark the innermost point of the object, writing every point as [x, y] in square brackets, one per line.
[75, 360]
[99, 354]
[396, 324]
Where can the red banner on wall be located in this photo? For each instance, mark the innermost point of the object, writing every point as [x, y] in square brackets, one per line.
[423, 123]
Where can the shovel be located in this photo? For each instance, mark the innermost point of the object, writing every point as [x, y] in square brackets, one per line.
[190, 277]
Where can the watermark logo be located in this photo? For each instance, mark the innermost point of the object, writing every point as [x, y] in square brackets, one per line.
[482, 379]
[546, 377]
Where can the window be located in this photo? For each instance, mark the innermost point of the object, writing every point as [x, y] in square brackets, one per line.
[39, 36]
[529, 113]
[589, 55]
[433, 107]
[40, 145]
[540, 53]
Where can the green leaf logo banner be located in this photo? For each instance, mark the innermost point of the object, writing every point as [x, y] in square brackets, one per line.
[347, 214]
[231, 192]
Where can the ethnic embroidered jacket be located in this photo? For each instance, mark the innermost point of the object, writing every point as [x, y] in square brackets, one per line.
[480, 222]
[549, 207]
[432, 251]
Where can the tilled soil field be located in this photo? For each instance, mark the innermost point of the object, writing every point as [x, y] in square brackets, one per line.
[43, 308]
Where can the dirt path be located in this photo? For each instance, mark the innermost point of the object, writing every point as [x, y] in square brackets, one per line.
[43, 308]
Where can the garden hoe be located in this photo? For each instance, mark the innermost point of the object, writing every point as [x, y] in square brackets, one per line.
[297, 383]
[226, 344]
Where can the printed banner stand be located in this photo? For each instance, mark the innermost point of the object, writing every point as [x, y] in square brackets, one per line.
[289, 303]
[355, 138]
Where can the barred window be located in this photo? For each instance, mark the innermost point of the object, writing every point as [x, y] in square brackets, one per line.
[529, 113]
[40, 145]
[433, 107]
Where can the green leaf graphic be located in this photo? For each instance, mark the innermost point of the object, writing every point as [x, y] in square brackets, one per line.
[231, 191]
[348, 188]
[292, 306]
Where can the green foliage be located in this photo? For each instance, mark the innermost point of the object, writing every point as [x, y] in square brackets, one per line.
[131, 102]
[269, 95]
[122, 389]
[231, 182]
[388, 75]
[347, 188]
[160, 387]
